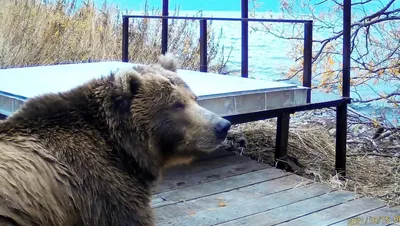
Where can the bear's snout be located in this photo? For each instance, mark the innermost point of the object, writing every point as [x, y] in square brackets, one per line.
[221, 128]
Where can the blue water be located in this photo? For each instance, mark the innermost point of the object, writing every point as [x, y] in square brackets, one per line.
[269, 59]
[225, 5]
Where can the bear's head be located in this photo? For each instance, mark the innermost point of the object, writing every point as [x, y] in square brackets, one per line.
[153, 102]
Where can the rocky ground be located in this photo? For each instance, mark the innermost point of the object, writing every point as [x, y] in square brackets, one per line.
[373, 154]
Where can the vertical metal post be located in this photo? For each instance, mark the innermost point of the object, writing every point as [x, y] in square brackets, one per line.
[282, 137]
[203, 45]
[125, 37]
[164, 30]
[341, 136]
[346, 47]
[341, 111]
[307, 68]
[245, 39]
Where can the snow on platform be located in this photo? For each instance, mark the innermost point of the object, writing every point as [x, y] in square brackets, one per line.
[222, 94]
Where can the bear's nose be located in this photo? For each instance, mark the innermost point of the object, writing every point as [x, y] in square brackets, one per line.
[222, 128]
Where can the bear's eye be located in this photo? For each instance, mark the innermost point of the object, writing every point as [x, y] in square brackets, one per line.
[178, 105]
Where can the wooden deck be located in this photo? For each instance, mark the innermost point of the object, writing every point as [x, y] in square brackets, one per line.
[234, 190]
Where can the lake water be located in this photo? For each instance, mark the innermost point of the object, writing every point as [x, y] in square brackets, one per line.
[268, 59]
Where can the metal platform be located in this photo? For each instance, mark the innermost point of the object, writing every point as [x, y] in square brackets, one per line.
[222, 94]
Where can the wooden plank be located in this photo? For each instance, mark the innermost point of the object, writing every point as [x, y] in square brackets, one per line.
[236, 196]
[187, 180]
[202, 165]
[216, 187]
[276, 185]
[382, 216]
[338, 213]
[216, 154]
[295, 210]
[235, 207]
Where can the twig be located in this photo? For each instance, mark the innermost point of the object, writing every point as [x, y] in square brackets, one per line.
[353, 4]
[377, 14]
[373, 154]
[360, 114]
[356, 142]
[385, 134]
[378, 98]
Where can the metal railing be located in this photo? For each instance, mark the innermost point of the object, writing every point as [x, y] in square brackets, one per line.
[283, 113]
[307, 53]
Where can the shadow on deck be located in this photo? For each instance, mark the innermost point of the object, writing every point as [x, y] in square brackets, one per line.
[233, 190]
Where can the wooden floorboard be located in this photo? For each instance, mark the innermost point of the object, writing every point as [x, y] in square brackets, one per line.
[217, 186]
[295, 210]
[233, 190]
[201, 165]
[236, 205]
[187, 180]
[338, 213]
[230, 198]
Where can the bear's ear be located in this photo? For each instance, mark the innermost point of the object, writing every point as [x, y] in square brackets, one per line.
[134, 84]
[127, 84]
[128, 81]
[168, 62]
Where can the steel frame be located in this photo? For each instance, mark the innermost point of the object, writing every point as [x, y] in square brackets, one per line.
[282, 114]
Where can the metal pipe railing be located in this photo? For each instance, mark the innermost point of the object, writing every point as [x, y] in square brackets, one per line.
[220, 19]
[245, 39]
[341, 111]
[346, 47]
[125, 40]
[307, 68]
[164, 38]
[203, 40]
[203, 46]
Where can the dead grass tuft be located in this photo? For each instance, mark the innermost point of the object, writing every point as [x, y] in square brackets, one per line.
[314, 149]
[59, 31]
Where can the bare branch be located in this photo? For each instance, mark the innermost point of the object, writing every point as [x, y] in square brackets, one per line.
[381, 97]
[361, 3]
[371, 22]
[322, 2]
[374, 154]
[353, 4]
[379, 13]
[391, 12]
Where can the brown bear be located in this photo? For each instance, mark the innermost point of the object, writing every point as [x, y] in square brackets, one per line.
[89, 156]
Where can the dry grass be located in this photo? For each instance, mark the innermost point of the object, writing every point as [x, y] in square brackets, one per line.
[314, 149]
[33, 33]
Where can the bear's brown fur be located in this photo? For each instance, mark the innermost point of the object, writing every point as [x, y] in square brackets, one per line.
[89, 156]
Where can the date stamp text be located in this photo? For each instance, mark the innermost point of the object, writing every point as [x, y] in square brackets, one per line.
[373, 220]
